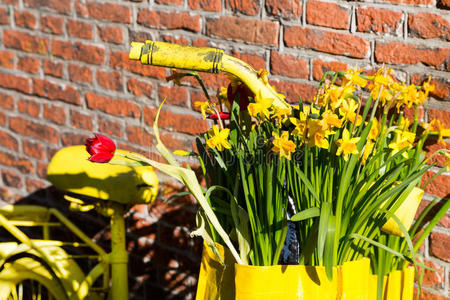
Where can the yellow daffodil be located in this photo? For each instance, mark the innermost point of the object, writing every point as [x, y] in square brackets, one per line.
[368, 147]
[283, 145]
[374, 130]
[436, 126]
[447, 161]
[352, 77]
[281, 114]
[347, 145]
[223, 99]
[204, 107]
[402, 139]
[300, 125]
[318, 133]
[262, 74]
[331, 119]
[261, 106]
[347, 110]
[218, 138]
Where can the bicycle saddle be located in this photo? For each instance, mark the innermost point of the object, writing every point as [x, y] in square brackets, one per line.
[71, 171]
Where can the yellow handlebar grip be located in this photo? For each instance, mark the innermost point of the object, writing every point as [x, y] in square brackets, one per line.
[162, 54]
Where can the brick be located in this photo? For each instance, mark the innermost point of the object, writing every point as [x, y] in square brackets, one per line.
[50, 90]
[29, 64]
[175, 40]
[70, 139]
[110, 34]
[4, 16]
[113, 106]
[252, 31]
[6, 101]
[61, 6]
[201, 42]
[110, 80]
[412, 2]
[55, 114]
[287, 9]
[177, 2]
[52, 68]
[428, 26]
[369, 19]
[174, 143]
[8, 141]
[159, 19]
[441, 86]
[288, 65]
[32, 185]
[292, 90]
[211, 81]
[21, 163]
[2, 119]
[431, 278]
[12, 179]
[24, 126]
[441, 115]
[138, 135]
[78, 51]
[139, 36]
[431, 146]
[207, 5]
[120, 61]
[7, 59]
[33, 149]
[52, 24]
[439, 245]
[41, 169]
[110, 128]
[401, 53]
[246, 7]
[80, 74]
[174, 95]
[139, 88]
[426, 295]
[109, 12]
[80, 29]
[80, 120]
[25, 19]
[439, 186]
[326, 41]
[29, 107]
[185, 123]
[15, 82]
[257, 62]
[444, 4]
[320, 67]
[336, 16]
[25, 42]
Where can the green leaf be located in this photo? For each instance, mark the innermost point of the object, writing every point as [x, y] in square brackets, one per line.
[306, 214]
[325, 213]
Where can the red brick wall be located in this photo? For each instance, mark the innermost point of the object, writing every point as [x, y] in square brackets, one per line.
[64, 73]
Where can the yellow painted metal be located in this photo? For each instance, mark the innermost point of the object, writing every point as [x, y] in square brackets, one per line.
[71, 171]
[204, 60]
[351, 281]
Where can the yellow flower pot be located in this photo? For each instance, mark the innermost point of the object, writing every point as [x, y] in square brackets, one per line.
[353, 280]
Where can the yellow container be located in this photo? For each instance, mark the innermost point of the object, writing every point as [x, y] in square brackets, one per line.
[351, 281]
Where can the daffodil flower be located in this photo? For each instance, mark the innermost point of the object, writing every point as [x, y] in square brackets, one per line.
[402, 140]
[347, 145]
[283, 145]
[205, 108]
[218, 138]
[317, 133]
[261, 106]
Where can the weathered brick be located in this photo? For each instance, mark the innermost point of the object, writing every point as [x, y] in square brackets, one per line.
[2, 119]
[78, 51]
[175, 40]
[173, 143]
[327, 14]
[71, 138]
[4, 16]
[29, 64]
[369, 19]
[207, 5]
[412, 2]
[61, 6]
[15, 82]
[109, 12]
[110, 80]
[80, 120]
[8, 141]
[52, 24]
[179, 122]
[401, 53]
[113, 106]
[6, 101]
[441, 85]
[80, 29]
[110, 128]
[120, 61]
[139, 88]
[55, 114]
[431, 147]
[293, 89]
[32, 185]
[441, 115]
[52, 68]
[50, 90]
[177, 2]
[7, 59]
[320, 67]
[25, 19]
[246, 7]
[288, 65]
[110, 34]
[138, 135]
[445, 4]
[287, 9]
[159, 19]
[428, 26]
[439, 186]
[24, 126]
[12, 179]
[427, 295]
[174, 95]
[79, 73]
[252, 31]
[257, 62]
[139, 36]
[21, 163]
[326, 41]
[29, 107]
[33, 149]
[432, 278]
[25, 42]
[439, 245]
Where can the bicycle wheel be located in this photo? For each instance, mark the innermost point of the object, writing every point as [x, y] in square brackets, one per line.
[26, 277]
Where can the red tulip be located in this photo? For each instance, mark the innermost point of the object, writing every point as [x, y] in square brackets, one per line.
[100, 148]
[223, 116]
[244, 93]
